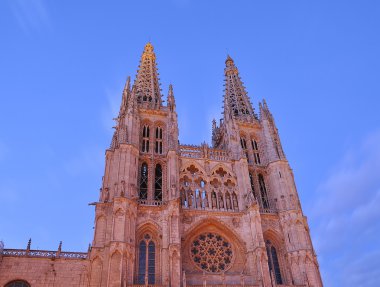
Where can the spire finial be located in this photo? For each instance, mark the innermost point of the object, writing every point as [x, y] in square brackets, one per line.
[229, 61]
[148, 47]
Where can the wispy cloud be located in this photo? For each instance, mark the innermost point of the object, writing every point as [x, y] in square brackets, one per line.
[349, 217]
[31, 16]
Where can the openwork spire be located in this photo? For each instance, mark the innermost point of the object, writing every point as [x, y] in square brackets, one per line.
[236, 101]
[147, 84]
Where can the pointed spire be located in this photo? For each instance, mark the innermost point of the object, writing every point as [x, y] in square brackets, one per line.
[125, 98]
[264, 111]
[171, 99]
[147, 82]
[236, 101]
[275, 150]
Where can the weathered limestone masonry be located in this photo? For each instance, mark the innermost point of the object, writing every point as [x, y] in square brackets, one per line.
[182, 215]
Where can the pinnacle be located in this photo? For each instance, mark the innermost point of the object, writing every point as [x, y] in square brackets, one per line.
[148, 47]
[229, 61]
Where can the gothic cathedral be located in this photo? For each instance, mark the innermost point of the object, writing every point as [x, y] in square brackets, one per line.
[171, 214]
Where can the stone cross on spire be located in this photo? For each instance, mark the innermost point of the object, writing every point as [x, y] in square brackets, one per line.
[147, 84]
[236, 100]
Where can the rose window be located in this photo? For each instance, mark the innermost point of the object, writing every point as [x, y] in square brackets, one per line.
[211, 252]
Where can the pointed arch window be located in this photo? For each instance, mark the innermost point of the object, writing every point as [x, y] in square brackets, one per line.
[252, 184]
[274, 266]
[158, 146]
[17, 283]
[147, 261]
[158, 183]
[263, 193]
[144, 181]
[243, 143]
[145, 139]
[256, 154]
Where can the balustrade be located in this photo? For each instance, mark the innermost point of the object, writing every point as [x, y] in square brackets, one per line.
[204, 152]
[150, 202]
[43, 254]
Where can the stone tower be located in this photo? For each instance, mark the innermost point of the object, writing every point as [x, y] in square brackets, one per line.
[181, 215]
[174, 215]
[138, 205]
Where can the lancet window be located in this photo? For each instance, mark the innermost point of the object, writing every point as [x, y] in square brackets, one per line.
[145, 139]
[147, 261]
[158, 183]
[243, 144]
[252, 184]
[274, 266]
[256, 154]
[263, 193]
[158, 144]
[143, 194]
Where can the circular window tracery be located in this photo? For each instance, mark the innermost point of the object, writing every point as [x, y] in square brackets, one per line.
[211, 253]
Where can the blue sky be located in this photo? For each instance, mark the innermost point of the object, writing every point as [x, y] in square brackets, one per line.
[63, 65]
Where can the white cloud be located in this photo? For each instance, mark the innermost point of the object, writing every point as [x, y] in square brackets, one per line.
[348, 212]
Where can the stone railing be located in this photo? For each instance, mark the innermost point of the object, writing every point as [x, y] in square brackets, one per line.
[191, 151]
[43, 254]
[220, 155]
[204, 151]
[268, 210]
[150, 202]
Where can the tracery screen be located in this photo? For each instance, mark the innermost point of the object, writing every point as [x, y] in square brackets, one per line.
[211, 252]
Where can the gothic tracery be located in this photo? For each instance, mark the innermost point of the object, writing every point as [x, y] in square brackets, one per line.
[211, 252]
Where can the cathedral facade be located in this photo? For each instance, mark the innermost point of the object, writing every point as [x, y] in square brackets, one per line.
[169, 214]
